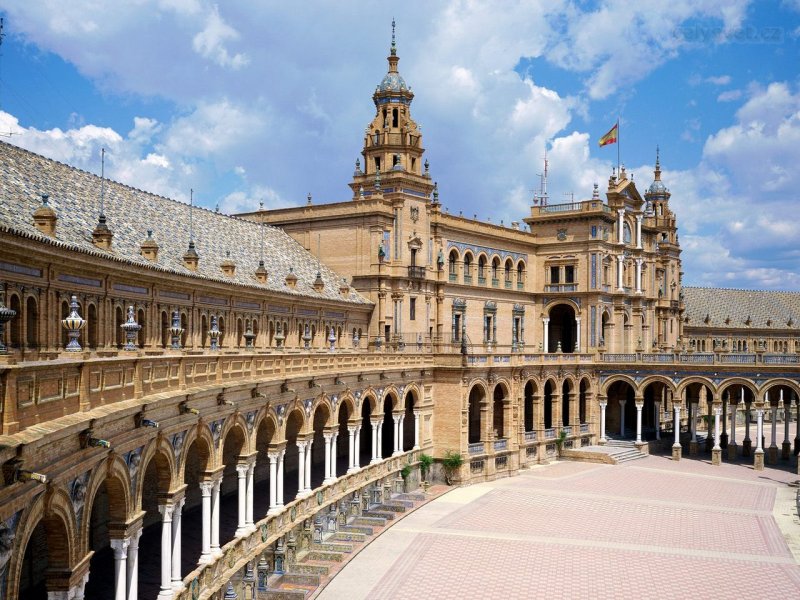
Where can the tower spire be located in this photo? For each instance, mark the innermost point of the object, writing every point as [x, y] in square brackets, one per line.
[393, 51]
[658, 165]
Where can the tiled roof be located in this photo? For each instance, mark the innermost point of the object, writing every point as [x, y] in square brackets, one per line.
[738, 306]
[74, 195]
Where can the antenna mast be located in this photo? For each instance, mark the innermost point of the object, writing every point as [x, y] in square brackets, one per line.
[2, 35]
[191, 209]
[102, 184]
[541, 197]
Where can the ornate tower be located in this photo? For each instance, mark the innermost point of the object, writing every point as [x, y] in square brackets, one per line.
[393, 149]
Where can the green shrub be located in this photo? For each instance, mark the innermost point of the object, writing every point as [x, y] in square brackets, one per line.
[451, 462]
[425, 462]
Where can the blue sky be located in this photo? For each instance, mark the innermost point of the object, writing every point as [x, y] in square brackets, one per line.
[247, 102]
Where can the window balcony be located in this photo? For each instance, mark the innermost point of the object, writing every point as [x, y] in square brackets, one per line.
[416, 272]
[561, 287]
[495, 282]
[452, 277]
[481, 280]
[468, 279]
[508, 284]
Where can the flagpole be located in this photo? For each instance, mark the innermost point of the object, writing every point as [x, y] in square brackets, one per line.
[618, 145]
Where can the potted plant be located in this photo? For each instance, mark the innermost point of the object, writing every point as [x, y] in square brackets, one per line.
[404, 473]
[451, 463]
[562, 435]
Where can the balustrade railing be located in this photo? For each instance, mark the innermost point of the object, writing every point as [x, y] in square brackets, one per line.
[475, 448]
[584, 428]
[500, 445]
[530, 436]
[550, 434]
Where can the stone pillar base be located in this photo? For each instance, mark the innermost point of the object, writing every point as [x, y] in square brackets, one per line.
[602, 441]
[723, 441]
[716, 456]
[746, 447]
[676, 451]
[732, 451]
[642, 447]
[758, 460]
[786, 450]
[772, 455]
[694, 448]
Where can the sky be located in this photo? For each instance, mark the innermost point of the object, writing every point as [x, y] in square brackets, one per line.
[250, 102]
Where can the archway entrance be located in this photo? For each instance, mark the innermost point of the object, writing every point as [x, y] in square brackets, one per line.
[621, 412]
[561, 329]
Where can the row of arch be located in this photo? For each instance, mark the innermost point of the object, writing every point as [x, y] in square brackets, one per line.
[484, 263]
[125, 493]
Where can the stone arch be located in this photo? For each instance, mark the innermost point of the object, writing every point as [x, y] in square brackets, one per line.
[476, 399]
[604, 387]
[530, 390]
[197, 433]
[685, 383]
[469, 260]
[651, 379]
[549, 389]
[726, 384]
[264, 414]
[114, 473]
[236, 420]
[770, 383]
[562, 326]
[390, 399]
[160, 450]
[415, 392]
[501, 404]
[371, 398]
[452, 262]
[347, 401]
[53, 510]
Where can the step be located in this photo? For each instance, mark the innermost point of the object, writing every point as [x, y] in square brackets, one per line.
[325, 555]
[409, 496]
[369, 521]
[293, 578]
[378, 514]
[306, 567]
[282, 595]
[363, 529]
[397, 505]
[332, 546]
[349, 536]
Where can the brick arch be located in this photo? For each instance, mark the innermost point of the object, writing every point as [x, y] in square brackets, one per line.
[372, 398]
[685, 383]
[590, 386]
[264, 413]
[160, 450]
[505, 385]
[197, 433]
[323, 403]
[54, 510]
[235, 420]
[738, 381]
[386, 394]
[114, 473]
[604, 387]
[416, 393]
[555, 302]
[780, 381]
[569, 379]
[650, 379]
[345, 399]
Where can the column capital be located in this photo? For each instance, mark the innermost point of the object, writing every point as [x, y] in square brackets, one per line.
[166, 511]
[205, 487]
[352, 429]
[545, 320]
[241, 469]
[120, 547]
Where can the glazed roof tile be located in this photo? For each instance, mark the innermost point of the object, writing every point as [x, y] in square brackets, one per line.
[75, 197]
[737, 306]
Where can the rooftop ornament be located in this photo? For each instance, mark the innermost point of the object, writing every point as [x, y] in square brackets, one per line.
[332, 340]
[102, 235]
[306, 336]
[214, 334]
[248, 335]
[73, 324]
[44, 217]
[131, 329]
[176, 330]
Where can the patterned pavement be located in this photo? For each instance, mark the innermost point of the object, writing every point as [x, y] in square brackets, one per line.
[651, 528]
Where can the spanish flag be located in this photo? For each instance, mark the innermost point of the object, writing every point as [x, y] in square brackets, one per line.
[610, 137]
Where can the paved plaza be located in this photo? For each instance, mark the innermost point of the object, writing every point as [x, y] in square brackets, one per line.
[649, 528]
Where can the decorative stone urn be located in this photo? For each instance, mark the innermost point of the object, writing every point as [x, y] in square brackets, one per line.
[176, 330]
[131, 329]
[73, 324]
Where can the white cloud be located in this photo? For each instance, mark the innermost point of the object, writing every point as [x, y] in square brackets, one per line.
[210, 42]
[719, 80]
[729, 96]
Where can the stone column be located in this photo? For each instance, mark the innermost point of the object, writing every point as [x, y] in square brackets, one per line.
[758, 463]
[786, 447]
[215, 500]
[166, 593]
[301, 468]
[400, 432]
[177, 580]
[732, 440]
[772, 453]
[723, 439]
[746, 445]
[622, 417]
[603, 423]
[308, 467]
[639, 231]
[241, 472]
[249, 521]
[281, 456]
[351, 438]
[638, 275]
[133, 566]
[206, 487]
[120, 548]
[396, 419]
[329, 474]
[620, 219]
[273, 482]
[657, 410]
[577, 335]
[639, 407]
[416, 430]
[374, 443]
[546, 336]
[357, 448]
[676, 426]
[797, 429]
[620, 286]
[716, 451]
[379, 453]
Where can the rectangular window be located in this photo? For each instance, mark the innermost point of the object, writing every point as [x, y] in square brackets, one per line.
[594, 231]
[569, 274]
[386, 246]
[377, 163]
[412, 305]
[555, 273]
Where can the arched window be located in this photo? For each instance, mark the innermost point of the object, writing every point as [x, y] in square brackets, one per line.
[481, 269]
[508, 271]
[452, 261]
[626, 233]
[31, 323]
[468, 268]
[520, 275]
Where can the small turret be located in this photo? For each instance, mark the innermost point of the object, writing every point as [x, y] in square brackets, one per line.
[44, 217]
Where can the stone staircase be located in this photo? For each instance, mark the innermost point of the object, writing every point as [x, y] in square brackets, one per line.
[324, 558]
[620, 451]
